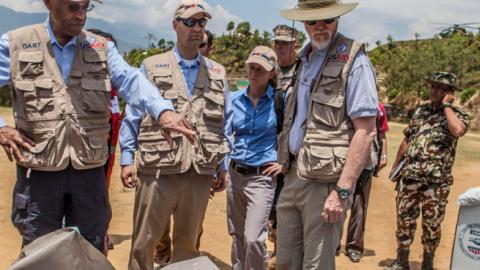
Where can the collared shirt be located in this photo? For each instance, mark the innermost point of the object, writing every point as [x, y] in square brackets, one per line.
[129, 81]
[361, 92]
[133, 117]
[254, 129]
[189, 68]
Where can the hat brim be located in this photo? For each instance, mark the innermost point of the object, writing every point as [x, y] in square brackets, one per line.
[452, 86]
[254, 59]
[192, 11]
[284, 38]
[297, 14]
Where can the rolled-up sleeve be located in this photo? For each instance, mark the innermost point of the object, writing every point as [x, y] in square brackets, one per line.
[134, 87]
[361, 94]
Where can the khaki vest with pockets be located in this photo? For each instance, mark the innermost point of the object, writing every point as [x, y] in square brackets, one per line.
[69, 122]
[328, 128]
[205, 110]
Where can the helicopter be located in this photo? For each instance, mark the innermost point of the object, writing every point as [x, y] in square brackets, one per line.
[447, 30]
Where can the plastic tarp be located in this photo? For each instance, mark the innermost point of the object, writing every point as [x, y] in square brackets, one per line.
[62, 249]
[470, 198]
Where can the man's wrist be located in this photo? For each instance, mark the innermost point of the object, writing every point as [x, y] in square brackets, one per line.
[446, 105]
[383, 157]
[342, 192]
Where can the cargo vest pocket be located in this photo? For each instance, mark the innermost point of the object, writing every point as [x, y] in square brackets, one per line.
[37, 97]
[157, 153]
[95, 61]
[327, 109]
[96, 95]
[214, 106]
[211, 150]
[41, 153]
[322, 162]
[163, 80]
[171, 95]
[31, 63]
[94, 144]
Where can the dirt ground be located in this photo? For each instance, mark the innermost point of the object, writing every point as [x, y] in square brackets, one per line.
[380, 241]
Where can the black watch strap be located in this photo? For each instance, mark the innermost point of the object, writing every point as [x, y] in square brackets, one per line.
[342, 192]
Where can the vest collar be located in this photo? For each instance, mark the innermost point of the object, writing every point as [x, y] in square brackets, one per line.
[181, 61]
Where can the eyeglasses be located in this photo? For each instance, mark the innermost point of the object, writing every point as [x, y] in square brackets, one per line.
[190, 22]
[202, 45]
[326, 21]
[76, 7]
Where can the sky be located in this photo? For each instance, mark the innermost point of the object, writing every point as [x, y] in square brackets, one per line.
[372, 20]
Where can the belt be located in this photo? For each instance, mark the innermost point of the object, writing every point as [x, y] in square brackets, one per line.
[245, 169]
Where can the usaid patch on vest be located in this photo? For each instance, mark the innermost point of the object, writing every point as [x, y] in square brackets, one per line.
[91, 43]
[32, 45]
[211, 67]
[341, 54]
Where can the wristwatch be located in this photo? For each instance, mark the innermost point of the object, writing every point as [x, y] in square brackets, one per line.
[342, 192]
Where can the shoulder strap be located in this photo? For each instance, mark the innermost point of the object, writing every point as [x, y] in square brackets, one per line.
[298, 63]
[279, 104]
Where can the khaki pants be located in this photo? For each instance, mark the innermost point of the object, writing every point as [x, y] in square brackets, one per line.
[249, 201]
[304, 241]
[185, 196]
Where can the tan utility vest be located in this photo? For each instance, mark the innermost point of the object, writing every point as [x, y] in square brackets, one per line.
[328, 128]
[285, 77]
[68, 122]
[205, 110]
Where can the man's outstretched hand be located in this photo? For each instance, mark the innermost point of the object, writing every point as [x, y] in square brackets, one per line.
[171, 121]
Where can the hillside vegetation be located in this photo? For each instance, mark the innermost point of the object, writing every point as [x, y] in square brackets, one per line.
[403, 65]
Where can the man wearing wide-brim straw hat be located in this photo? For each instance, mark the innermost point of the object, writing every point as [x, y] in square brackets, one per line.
[326, 139]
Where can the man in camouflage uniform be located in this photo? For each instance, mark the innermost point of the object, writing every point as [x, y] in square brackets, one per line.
[285, 44]
[428, 150]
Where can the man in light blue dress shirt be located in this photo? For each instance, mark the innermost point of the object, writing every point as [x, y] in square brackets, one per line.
[43, 198]
[176, 182]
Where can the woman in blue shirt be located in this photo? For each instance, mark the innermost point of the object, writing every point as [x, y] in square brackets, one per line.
[253, 165]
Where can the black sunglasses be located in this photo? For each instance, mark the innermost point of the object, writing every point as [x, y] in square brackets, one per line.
[76, 7]
[203, 44]
[326, 21]
[190, 22]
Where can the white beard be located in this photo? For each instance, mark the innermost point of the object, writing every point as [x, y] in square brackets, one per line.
[321, 45]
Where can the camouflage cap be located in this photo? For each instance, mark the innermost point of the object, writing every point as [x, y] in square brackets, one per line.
[285, 33]
[187, 9]
[264, 56]
[445, 78]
